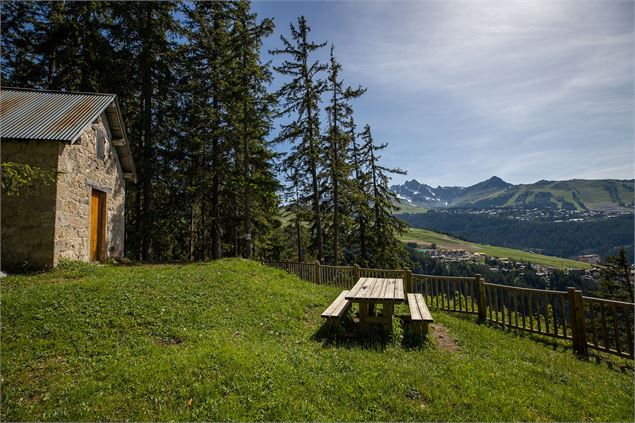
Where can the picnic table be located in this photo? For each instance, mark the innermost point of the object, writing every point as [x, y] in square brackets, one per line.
[370, 292]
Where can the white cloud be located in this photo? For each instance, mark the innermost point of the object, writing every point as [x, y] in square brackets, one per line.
[463, 90]
[551, 76]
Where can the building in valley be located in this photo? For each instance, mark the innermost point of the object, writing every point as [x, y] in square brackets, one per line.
[79, 216]
[590, 258]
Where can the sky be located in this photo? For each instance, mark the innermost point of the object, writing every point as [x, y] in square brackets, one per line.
[464, 90]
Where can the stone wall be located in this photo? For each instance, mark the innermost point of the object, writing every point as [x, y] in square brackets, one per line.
[27, 224]
[81, 172]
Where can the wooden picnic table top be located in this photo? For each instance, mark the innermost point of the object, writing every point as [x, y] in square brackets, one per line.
[377, 290]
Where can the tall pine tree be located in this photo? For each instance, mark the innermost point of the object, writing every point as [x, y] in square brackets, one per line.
[361, 215]
[386, 249]
[143, 35]
[336, 153]
[252, 115]
[23, 27]
[301, 97]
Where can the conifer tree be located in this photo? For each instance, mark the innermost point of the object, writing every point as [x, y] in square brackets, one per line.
[301, 97]
[252, 114]
[22, 30]
[210, 59]
[386, 249]
[143, 37]
[616, 282]
[360, 197]
[196, 106]
[57, 45]
[337, 146]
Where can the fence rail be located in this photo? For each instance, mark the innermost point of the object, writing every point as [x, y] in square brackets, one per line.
[609, 325]
[534, 310]
[448, 292]
[588, 322]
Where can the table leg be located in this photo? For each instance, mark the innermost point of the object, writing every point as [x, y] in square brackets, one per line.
[363, 317]
[388, 310]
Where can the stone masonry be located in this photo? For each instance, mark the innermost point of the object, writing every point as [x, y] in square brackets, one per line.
[81, 172]
[47, 223]
[28, 219]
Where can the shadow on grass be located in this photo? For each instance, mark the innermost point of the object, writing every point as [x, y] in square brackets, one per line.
[348, 335]
[556, 344]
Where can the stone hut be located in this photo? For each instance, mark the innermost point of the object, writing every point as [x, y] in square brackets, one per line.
[80, 216]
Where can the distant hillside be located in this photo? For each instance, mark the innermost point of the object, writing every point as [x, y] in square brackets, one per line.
[562, 239]
[575, 194]
[427, 237]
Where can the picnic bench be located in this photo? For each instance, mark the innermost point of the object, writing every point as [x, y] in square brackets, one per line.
[368, 293]
[420, 316]
[336, 310]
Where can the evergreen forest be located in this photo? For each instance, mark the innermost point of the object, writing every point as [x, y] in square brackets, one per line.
[227, 165]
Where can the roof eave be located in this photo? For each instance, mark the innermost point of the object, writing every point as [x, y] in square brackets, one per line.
[118, 128]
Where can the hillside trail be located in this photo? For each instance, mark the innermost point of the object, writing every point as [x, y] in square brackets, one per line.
[442, 338]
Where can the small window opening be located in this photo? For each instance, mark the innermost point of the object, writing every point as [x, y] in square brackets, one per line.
[101, 144]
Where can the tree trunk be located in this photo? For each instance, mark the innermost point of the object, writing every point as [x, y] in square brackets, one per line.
[246, 186]
[147, 139]
[313, 156]
[216, 253]
[299, 238]
[215, 191]
[360, 217]
[335, 176]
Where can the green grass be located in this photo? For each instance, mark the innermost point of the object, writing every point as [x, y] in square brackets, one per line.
[446, 241]
[235, 340]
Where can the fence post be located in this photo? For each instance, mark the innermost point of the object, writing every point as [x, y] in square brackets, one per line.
[579, 307]
[355, 273]
[482, 308]
[407, 280]
[317, 272]
[576, 317]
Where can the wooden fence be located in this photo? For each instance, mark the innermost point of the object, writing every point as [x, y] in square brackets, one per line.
[587, 322]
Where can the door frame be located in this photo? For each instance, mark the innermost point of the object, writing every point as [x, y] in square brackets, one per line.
[101, 225]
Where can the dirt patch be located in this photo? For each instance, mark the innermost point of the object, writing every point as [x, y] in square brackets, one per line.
[442, 338]
[171, 340]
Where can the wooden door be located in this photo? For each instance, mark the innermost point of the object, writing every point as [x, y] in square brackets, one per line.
[97, 225]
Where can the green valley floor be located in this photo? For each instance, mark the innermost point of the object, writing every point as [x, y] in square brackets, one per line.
[235, 340]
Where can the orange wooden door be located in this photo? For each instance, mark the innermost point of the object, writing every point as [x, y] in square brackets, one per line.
[96, 225]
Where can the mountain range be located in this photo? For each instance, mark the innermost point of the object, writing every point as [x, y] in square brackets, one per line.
[574, 194]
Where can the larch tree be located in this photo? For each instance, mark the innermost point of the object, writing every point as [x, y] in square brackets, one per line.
[360, 197]
[386, 249]
[337, 139]
[301, 96]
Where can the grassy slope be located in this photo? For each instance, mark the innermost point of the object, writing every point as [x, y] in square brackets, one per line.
[567, 195]
[234, 340]
[445, 241]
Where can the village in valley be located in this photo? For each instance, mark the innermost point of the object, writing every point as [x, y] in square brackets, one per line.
[588, 276]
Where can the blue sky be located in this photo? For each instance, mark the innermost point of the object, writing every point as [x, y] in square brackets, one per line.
[462, 91]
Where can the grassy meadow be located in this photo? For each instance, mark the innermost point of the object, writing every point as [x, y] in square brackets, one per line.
[425, 236]
[235, 340]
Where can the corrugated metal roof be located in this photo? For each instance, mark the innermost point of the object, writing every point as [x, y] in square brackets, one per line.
[61, 116]
[46, 115]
